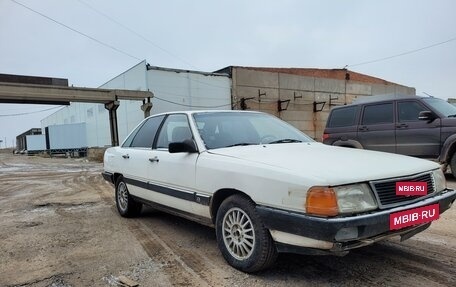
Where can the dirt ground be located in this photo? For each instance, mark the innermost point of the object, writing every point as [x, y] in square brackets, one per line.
[59, 227]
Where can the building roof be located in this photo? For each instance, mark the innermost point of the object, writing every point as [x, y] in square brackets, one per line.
[338, 74]
[34, 80]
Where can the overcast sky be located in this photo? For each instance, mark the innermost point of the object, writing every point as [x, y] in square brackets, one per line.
[209, 35]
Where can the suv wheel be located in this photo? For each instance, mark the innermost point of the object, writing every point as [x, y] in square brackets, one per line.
[126, 205]
[241, 236]
[453, 164]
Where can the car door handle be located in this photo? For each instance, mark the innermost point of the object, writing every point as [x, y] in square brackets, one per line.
[154, 159]
[363, 129]
[126, 156]
[401, 126]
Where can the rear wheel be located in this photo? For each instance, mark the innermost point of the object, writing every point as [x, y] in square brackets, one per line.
[453, 164]
[241, 236]
[126, 205]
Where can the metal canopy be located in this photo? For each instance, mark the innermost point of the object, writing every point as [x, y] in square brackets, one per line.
[63, 95]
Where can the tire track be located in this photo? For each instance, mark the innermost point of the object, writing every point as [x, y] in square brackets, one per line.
[181, 273]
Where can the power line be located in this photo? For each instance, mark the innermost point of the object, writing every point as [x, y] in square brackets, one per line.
[192, 106]
[135, 33]
[28, 113]
[76, 31]
[402, 54]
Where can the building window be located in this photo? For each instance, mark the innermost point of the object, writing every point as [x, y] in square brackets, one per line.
[101, 109]
[90, 113]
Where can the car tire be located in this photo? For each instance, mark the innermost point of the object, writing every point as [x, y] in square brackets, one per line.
[241, 236]
[126, 205]
[453, 164]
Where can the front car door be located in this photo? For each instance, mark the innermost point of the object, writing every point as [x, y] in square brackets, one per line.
[413, 136]
[172, 175]
[376, 130]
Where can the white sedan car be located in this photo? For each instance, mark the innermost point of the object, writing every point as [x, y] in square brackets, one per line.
[266, 187]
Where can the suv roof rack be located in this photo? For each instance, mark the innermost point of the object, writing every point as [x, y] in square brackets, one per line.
[386, 97]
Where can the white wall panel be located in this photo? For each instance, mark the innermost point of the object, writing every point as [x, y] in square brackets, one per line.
[36, 142]
[67, 136]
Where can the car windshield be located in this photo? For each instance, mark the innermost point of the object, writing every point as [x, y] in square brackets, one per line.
[445, 108]
[227, 129]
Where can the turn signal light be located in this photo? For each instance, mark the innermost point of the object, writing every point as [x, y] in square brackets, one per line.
[325, 136]
[321, 201]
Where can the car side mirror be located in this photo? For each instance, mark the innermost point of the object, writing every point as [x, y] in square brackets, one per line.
[426, 116]
[187, 145]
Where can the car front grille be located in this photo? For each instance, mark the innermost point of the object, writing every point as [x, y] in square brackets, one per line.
[385, 190]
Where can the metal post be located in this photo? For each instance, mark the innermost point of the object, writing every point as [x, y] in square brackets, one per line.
[112, 108]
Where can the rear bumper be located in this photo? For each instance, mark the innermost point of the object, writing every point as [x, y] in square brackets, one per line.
[348, 232]
[108, 176]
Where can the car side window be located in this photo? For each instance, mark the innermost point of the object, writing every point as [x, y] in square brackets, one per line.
[378, 114]
[146, 133]
[409, 111]
[342, 117]
[175, 129]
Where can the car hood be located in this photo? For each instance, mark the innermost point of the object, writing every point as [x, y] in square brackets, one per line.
[329, 165]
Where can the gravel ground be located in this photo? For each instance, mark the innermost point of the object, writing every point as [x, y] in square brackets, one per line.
[59, 227]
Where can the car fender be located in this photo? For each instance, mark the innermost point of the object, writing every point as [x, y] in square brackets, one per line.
[447, 149]
[348, 143]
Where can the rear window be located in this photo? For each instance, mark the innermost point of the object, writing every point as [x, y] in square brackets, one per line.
[145, 135]
[342, 117]
[378, 114]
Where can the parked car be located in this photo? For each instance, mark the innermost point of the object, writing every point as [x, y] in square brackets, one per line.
[268, 188]
[423, 127]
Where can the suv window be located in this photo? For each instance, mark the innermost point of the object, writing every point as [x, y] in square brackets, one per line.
[175, 129]
[409, 111]
[342, 117]
[146, 133]
[378, 114]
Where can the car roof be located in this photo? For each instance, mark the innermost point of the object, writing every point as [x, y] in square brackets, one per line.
[205, 111]
[381, 98]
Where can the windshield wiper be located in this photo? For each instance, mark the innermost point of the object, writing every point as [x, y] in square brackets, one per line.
[286, 141]
[240, 144]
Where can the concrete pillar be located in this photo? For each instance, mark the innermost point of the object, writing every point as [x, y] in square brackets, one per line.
[112, 108]
[146, 107]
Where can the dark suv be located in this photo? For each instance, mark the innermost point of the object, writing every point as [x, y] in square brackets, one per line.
[411, 125]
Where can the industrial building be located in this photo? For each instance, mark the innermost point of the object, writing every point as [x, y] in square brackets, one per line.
[21, 140]
[302, 97]
[173, 90]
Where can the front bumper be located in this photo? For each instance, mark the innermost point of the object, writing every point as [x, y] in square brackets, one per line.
[351, 231]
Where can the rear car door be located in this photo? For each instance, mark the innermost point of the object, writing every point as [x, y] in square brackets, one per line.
[135, 152]
[376, 130]
[413, 136]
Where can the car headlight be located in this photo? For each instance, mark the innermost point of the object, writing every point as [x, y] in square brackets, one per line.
[439, 180]
[347, 199]
[355, 198]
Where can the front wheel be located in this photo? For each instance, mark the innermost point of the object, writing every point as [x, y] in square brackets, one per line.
[241, 236]
[126, 205]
